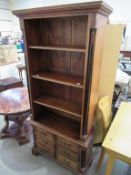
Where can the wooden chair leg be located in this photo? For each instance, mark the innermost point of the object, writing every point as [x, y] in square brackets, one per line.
[100, 159]
[109, 165]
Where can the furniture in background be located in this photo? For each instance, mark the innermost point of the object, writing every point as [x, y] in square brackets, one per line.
[111, 51]
[10, 82]
[14, 105]
[126, 53]
[125, 65]
[104, 121]
[8, 54]
[117, 143]
[20, 68]
[64, 46]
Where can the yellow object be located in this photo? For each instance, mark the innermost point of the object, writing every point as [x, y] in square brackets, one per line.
[111, 51]
[8, 54]
[106, 116]
[117, 143]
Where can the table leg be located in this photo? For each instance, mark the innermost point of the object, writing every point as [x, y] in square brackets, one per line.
[5, 128]
[109, 165]
[100, 159]
[22, 135]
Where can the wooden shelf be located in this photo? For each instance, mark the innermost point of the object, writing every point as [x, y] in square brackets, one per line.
[58, 48]
[60, 124]
[60, 78]
[60, 105]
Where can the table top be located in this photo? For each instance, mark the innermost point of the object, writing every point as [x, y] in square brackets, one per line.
[118, 138]
[14, 101]
[9, 80]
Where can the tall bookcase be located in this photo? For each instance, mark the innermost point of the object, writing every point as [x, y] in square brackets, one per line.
[63, 55]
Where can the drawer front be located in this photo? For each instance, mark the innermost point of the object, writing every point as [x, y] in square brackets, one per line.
[67, 162]
[45, 141]
[65, 143]
[43, 133]
[68, 153]
[44, 149]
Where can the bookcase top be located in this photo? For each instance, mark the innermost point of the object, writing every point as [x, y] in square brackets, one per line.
[65, 10]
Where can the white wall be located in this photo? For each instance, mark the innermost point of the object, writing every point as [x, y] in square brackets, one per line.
[5, 16]
[121, 14]
[8, 22]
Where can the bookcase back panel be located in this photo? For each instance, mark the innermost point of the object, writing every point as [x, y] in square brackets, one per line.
[63, 32]
[58, 61]
[77, 63]
[41, 88]
[33, 33]
[55, 121]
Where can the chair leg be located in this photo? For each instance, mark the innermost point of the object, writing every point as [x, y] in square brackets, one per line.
[100, 159]
[109, 165]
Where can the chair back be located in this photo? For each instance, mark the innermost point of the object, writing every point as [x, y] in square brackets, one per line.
[105, 109]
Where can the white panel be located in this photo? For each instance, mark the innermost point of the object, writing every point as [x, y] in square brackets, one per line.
[5, 14]
[4, 4]
[5, 26]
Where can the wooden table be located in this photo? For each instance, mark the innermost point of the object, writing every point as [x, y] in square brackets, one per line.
[10, 82]
[14, 105]
[127, 53]
[117, 143]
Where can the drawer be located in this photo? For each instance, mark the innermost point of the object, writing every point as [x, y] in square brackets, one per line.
[43, 133]
[45, 141]
[67, 162]
[72, 146]
[44, 149]
[68, 153]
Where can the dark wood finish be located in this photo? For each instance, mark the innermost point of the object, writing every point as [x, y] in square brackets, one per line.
[67, 161]
[57, 48]
[15, 107]
[60, 78]
[68, 144]
[60, 104]
[68, 153]
[64, 50]
[10, 82]
[66, 10]
[59, 123]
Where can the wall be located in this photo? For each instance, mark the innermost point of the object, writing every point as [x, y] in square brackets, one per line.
[8, 22]
[121, 15]
[5, 16]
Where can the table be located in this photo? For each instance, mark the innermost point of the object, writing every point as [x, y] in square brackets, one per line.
[127, 53]
[117, 143]
[10, 82]
[14, 105]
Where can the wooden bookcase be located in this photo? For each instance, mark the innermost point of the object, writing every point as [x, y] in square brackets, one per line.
[63, 55]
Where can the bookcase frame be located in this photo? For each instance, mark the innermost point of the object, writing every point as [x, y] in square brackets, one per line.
[63, 46]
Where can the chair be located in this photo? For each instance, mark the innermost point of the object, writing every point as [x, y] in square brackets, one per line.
[20, 68]
[103, 119]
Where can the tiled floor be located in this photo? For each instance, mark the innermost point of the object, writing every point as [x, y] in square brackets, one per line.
[15, 159]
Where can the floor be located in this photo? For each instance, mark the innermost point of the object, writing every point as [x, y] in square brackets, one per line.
[15, 159]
